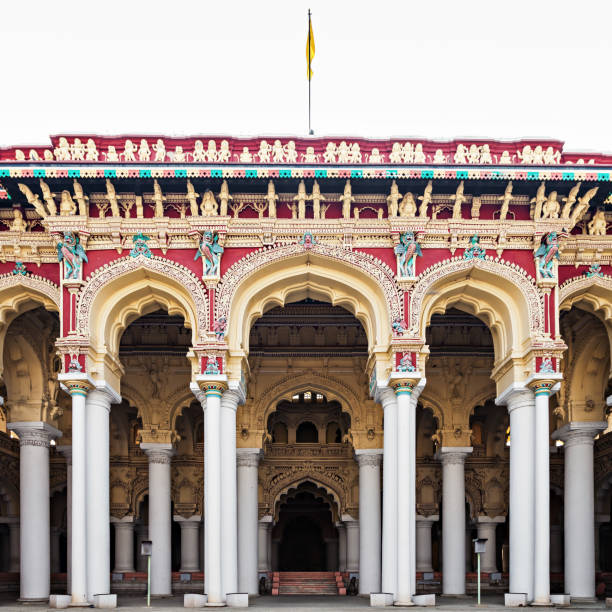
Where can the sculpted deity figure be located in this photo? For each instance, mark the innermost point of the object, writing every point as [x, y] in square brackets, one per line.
[439, 157]
[583, 205]
[474, 154]
[290, 152]
[344, 153]
[111, 154]
[271, 199]
[224, 153]
[347, 198]
[597, 225]
[550, 208]
[144, 152]
[209, 206]
[67, 205]
[526, 155]
[505, 200]
[278, 152]
[48, 197]
[405, 363]
[210, 250]
[474, 251]
[92, 151]
[113, 199]
[538, 155]
[419, 154]
[355, 156]
[72, 253]
[78, 150]
[81, 198]
[485, 155]
[393, 200]
[539, 200]
[407, 207]
[546, 255]
[33, 199]
[129, 151]
[18, 224]
[192, 198]
[224, 198]
[310, 157]
[505, 158]
[179, 155]
[407, 153]
[551, 156]
[395, 157]
[407, 251]
[375, 157]
[426, 199]
[62, 151]
[158, 200]
[245, 156]
[459, 200]
[316, 198]
[33, 155]
[329, 156]
[301, 198]
[265, 150]
[211, 151]
[569, 200]
[160, 150]
[460, 156]
[199, 155]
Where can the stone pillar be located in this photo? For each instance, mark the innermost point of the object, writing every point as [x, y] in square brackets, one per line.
[56, 532]
[331, 554]
[341, 547]
[124, 544]
[486, 529]
[190, 542]
[579, 507]
[67, 452]
[34, 438]
[264, 527]
[453, 519]
[142, 533]
[14, 546]
[201, 546]
[423, 542]
[98, 407]
[556, 549]
[352, 544]
[160, 520]
[389, 510]
[521, 407]
[247, 461]
[369, 461]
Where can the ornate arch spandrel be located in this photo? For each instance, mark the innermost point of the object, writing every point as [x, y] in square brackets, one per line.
[581, 288]
[34, 288]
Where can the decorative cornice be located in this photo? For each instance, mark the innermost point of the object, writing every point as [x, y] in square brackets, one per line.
[248, 457]
[579, 433]
[369, 458]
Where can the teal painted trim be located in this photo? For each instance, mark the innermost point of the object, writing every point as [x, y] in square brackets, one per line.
[40, 173]
[542, 392]
[145, 174]
[76, 173]
[568, 176]
[403, 392]
[110, 174]
[462, 174]
[78, 392]
[250, 173]
[356, 173]
[216, 173]
[427, 174]
[496, 174]
[320, 173]
[533, 176]
[180, 173]
[391, 173]
[603, 176]
[213, 392]
[284, 173]
[5, 172]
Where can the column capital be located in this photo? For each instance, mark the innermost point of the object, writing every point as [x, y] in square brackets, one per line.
[369, 457]
[577, 433]
[35, 433]
[432, 518]
[542, 386]
[405, 382]
[516, 395]
[158, 452]
[212, 384]
[248, 457]
[453, 455]
[487, 520]
[194, 520]
[124, 521]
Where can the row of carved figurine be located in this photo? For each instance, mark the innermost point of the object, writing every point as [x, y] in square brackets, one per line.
[276, 152]
[546, 206]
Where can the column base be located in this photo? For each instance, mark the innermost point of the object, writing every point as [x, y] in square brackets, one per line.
[404, 604]
[515, 600]
[428, 599]
[60, 601]
[238, 600]
[108, 600]
[561, 600]
[381, 600]
[194, 600]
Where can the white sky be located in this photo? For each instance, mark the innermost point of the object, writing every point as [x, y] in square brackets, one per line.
[446, 69]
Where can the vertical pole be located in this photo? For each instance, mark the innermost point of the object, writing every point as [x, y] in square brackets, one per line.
[149, 581]
[478, 555]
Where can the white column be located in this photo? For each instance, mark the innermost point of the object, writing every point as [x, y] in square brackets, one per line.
[389, 510]
[190, 543]
[67, 452]
[486, 529]
[352, 544]
[124, 544]
[521, 407]
[369, 519]
[247, 461]
[423, 542]
[35, 558]
[160, 519]
[14, 546]
[341, 547]
[55, 549]
[264, 527]
[98, 407]
[579, 507]
[453, 519]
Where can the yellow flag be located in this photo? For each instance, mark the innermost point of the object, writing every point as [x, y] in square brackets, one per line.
[310, 50]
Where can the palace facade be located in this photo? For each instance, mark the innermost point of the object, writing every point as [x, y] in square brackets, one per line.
[289, 364]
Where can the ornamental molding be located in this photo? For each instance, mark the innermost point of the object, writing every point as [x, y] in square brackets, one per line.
[581, 284]
[363, 262]
[499, 267]
[165, 267]
[247, 459]
[368, 459]
[33, 438]
[36, 283]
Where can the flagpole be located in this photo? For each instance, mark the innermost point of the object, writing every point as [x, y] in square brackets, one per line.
[310, 132]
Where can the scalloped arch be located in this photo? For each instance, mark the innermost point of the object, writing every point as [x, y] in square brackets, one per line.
[596, 292]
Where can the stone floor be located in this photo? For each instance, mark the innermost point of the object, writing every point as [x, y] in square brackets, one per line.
[328, 603]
